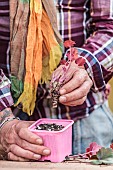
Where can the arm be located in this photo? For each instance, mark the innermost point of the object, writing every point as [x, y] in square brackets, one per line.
[97, 51]
[19, 143]
[98, 48]
[6, 100]
[5, 95]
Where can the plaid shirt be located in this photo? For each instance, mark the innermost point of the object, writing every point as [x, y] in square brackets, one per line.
[5, 94]
[90, 24]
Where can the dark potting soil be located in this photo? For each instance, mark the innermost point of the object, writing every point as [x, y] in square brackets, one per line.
[49, 127]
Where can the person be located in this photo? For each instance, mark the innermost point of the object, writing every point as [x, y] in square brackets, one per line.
[82, 97]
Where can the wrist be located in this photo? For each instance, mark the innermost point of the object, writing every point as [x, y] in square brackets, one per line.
[7, 128]
[6, 116]
[7, 112]
[8, 119]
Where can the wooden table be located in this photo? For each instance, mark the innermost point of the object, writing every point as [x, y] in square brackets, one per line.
[67, 165]
[10, 165]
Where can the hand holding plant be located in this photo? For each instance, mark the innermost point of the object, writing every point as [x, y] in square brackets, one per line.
[70, 82]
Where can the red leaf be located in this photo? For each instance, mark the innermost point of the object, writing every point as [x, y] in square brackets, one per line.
[67, 63]
[62, 62]
[69, 43]
[111, 146]
[80, 61]
[68, 55]
[93, 149]
[72, 54]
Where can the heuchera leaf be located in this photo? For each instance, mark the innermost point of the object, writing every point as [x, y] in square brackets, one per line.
[62, 62]
[69, 43]
[104, 156]
[80, 61]
[92, 149]
[111, 146]
[72, 54]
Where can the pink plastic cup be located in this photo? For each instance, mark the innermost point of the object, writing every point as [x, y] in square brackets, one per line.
[59, 142]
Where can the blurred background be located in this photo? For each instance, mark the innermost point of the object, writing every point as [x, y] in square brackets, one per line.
[111, 95]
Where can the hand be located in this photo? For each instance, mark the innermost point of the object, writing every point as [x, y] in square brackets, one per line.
[76, 86]
[20, 143]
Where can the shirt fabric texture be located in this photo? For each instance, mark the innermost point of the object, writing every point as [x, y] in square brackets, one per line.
[90, 24]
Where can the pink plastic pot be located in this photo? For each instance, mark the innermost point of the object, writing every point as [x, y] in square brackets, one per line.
[59, 142]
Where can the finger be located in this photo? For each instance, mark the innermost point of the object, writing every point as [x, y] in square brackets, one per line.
[76, 94]
[57, 72]
[13, 157]
[38, 149]
[20, 152]
[78, 79]
[76, 102]
[71, 70]
[26, 134]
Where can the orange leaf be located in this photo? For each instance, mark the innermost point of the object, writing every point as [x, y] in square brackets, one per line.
[69, 43]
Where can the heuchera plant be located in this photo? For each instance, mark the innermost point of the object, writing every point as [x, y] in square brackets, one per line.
[96, 154]
[58, 81]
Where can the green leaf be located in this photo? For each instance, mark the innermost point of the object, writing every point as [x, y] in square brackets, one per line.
[16, 87]
[104, 156]
[104, 153]
[99, 162]
[96, 162]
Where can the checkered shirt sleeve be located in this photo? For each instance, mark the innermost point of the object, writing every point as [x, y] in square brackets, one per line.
[5, 94]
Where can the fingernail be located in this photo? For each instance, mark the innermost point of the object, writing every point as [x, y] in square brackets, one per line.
[62, 91]
[39, 141]
[37, 156]
[62, 99]
[46, 152]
